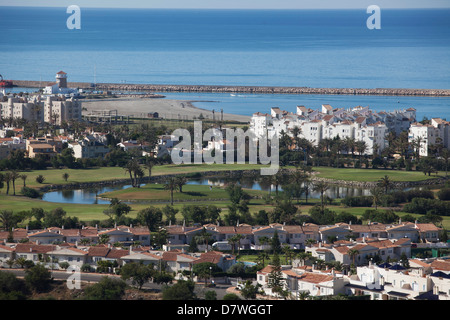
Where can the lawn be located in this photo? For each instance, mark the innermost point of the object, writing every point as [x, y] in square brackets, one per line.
[362, 175]
[55, 176]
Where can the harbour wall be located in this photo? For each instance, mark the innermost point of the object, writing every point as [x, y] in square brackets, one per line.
[244, 89]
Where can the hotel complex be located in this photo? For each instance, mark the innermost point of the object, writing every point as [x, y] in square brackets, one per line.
[359, 123]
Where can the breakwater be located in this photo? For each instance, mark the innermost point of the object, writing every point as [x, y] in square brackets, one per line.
[244, 89]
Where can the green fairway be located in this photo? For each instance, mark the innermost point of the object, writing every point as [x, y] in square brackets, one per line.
[351, 174]
[55, 176]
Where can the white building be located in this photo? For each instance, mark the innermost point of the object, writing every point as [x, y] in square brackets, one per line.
[437, 132]
[359, 123]
[60, 86]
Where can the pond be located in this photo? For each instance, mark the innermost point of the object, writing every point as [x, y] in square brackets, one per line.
[90, 196]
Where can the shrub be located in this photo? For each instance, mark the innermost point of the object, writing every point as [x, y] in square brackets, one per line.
[360, 201]
[444, 194]
[40, 178]
[423, 206]
[30, 192]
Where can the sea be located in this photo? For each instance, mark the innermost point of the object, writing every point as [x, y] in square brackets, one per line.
[305, 48]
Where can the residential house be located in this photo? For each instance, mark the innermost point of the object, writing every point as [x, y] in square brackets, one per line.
[47, 236]
[6, 253]
[177, 261]
[71, 255]
[33, 252]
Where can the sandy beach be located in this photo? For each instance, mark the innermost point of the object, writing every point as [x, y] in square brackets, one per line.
[166, 108]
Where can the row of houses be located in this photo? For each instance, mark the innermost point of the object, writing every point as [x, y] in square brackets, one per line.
[90, 145]
[298, 236]
[53, 256]
[252, 237]
[422, 280]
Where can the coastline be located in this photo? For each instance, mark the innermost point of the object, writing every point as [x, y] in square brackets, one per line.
[245, 89]
[166, 108]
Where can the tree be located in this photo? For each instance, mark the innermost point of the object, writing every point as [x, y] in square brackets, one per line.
[65, 176]
[7, 177]
[131, 168]
[249, 291]
[445, 154]
[149, 164]
[236, 239]
[170, 214]
[40, 179]
[9, 219]
[385, 183]
[203, 237]
[38, 278]
[275, 279]
[24, 178]
[106, 289]
[14, 176]
[117, 209]
[275, 243]
[182, 290]
[180, 181]
[137, 272]
[361, 148]
[150, 217]
[12, 288]
[376, 194]
[205, 270]
[353, 253]
[210, 295]
[321, 187]
[171, 185]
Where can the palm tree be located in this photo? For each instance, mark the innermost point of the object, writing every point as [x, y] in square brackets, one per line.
[288, 252]
[262, 258]
[131, 168]
[14, 176]
[416, 144]
[376, 193]
[149, 164]
[180, 182]
[321, 187]
[445, 153]
[24, 178]
[352, 254]
[204, 237]
[171, 185]
[361, 147]
[385, 183]
[7, 178]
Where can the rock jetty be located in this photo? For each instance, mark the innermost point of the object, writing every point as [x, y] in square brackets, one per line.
[245, 89]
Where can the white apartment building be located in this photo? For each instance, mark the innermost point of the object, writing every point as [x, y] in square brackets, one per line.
[359, 123]
[438, 131]
[54, 110]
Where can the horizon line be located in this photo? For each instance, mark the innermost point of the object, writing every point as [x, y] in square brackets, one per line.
[225, 8]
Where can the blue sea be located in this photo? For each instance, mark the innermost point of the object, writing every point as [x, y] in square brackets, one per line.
[313, 48]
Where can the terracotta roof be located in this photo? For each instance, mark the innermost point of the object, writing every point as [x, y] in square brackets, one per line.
[315, 277]
[441, 265]
[424, 227]
[34, 248]
[98, 251]
[117, 253]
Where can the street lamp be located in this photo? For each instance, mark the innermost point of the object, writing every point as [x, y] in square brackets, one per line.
[210, 274]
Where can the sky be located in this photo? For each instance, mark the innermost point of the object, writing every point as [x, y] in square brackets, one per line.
[233, 4]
